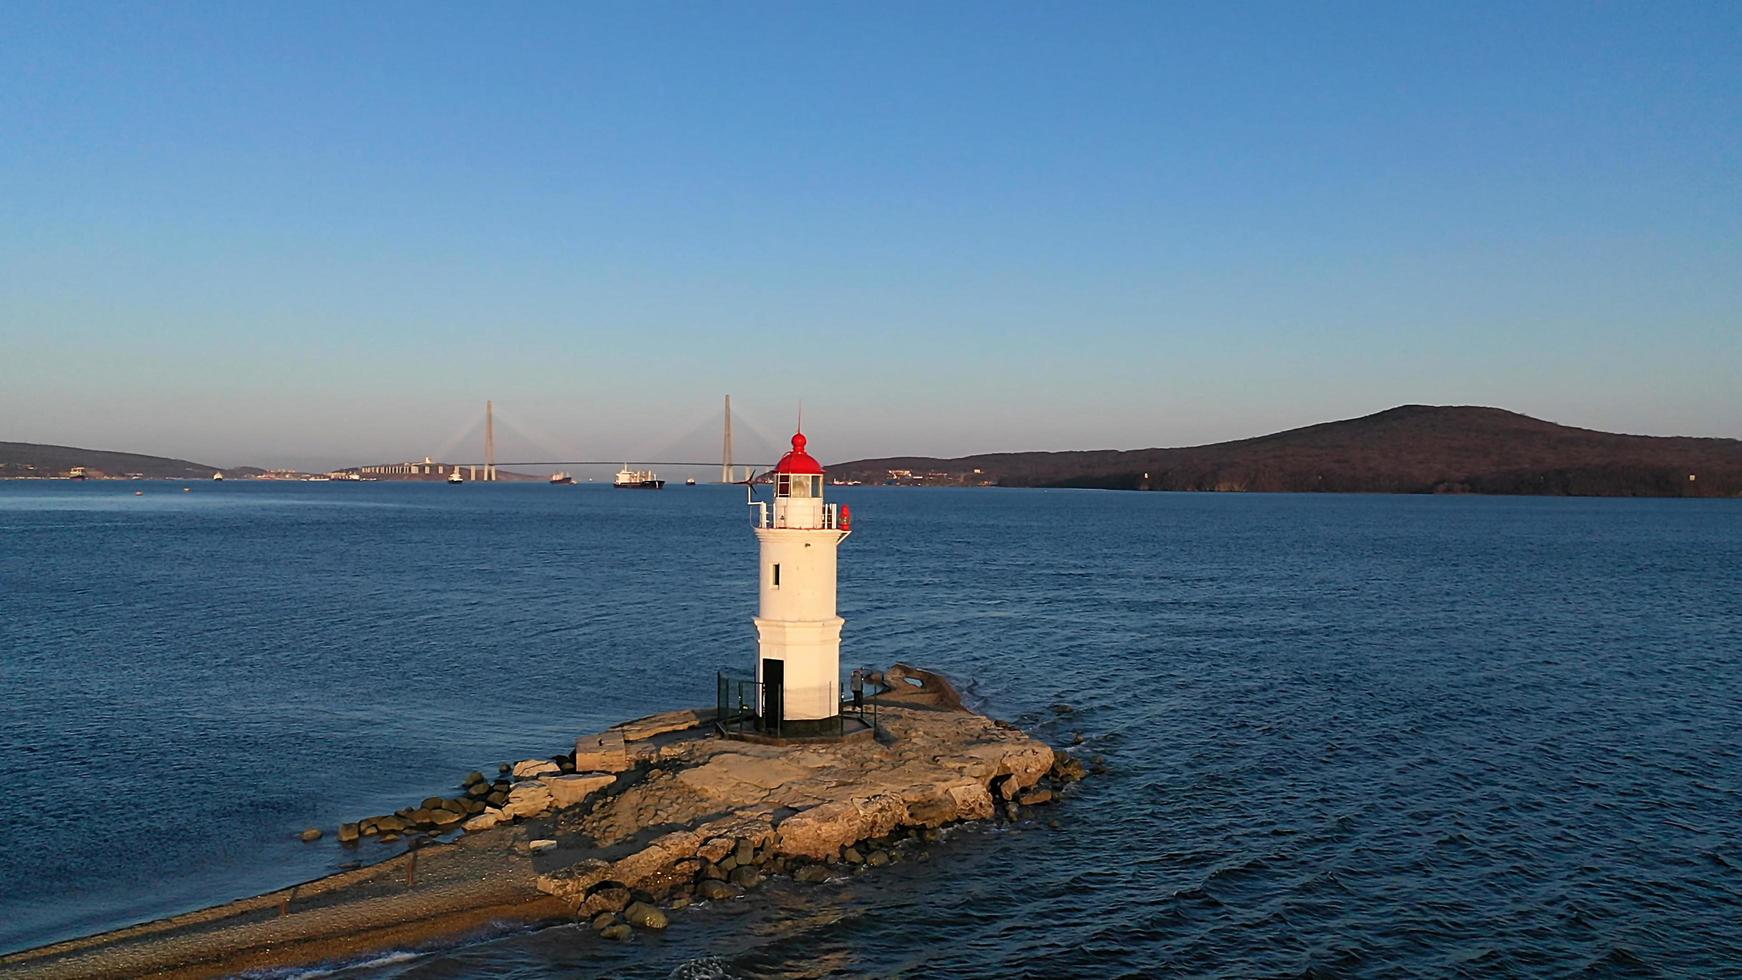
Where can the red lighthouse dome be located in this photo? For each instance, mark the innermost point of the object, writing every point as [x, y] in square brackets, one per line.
[797, 460]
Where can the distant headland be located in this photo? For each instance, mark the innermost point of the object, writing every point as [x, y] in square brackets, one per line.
[1408, 449]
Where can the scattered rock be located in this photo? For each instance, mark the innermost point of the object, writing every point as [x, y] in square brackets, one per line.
[604, 919]
[644, 916]
[1035, 797]
[745, 853]
[445, 818]
[540, 845]
[1011, 812]
[618, 931]
[747, 877]
[812, 874]
[877, 859]
[852, 856]
[473, 778]
[504, 768]
[310, 835]
[534, 768]
[1076, 738]
[1061, 709]
[680, 902]
[348, 833]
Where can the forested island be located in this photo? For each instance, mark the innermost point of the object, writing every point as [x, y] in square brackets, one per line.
[1409, 449]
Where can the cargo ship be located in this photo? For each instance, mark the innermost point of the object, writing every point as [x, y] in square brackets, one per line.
[628, 479]
[560, 478]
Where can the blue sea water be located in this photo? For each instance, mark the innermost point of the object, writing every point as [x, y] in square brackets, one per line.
[1351, 735]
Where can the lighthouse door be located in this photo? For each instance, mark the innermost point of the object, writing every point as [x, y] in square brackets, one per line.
[773, 694]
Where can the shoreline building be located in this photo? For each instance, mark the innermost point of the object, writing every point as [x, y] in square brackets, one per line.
[798, 664]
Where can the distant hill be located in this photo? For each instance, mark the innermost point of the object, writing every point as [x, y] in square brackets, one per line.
[26, 459]
[1409, 449]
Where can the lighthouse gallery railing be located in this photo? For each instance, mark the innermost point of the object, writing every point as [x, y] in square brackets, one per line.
[742, 708]
[832, 518]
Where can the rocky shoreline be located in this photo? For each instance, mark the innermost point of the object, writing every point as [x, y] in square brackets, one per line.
[636, 824]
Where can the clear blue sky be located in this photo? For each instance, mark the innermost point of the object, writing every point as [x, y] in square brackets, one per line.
[325, 233]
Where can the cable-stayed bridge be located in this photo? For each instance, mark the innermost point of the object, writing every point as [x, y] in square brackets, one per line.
[731, 469]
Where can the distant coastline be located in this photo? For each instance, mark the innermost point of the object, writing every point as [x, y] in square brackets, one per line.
[1408, 449]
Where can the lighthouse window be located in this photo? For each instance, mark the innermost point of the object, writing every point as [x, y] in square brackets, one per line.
[777, 575]
[797, 485]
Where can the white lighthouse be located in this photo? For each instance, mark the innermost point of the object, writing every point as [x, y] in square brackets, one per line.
[799, 657]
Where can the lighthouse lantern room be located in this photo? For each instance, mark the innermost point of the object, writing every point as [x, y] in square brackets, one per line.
[798, 664]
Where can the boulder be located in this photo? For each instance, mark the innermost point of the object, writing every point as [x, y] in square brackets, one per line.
[1035, 797]
[745, 853]
[852, 856]
[604, 919]
[478, 790]
[608, 897]
[618, 932]
[528, 799]
[716, 849]
[572, 883]
[1067, 768]
[972, 800]
[746, 877]
[715, 891]
[534, 768]
[680, 902]
[348, 833]
[473, 778]
[569, 790]
[310, 835]
[540, 845]
[877, 859]
[644, 916]
[484, 821]
[393, 823]
[604, 752]
[812, 874]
